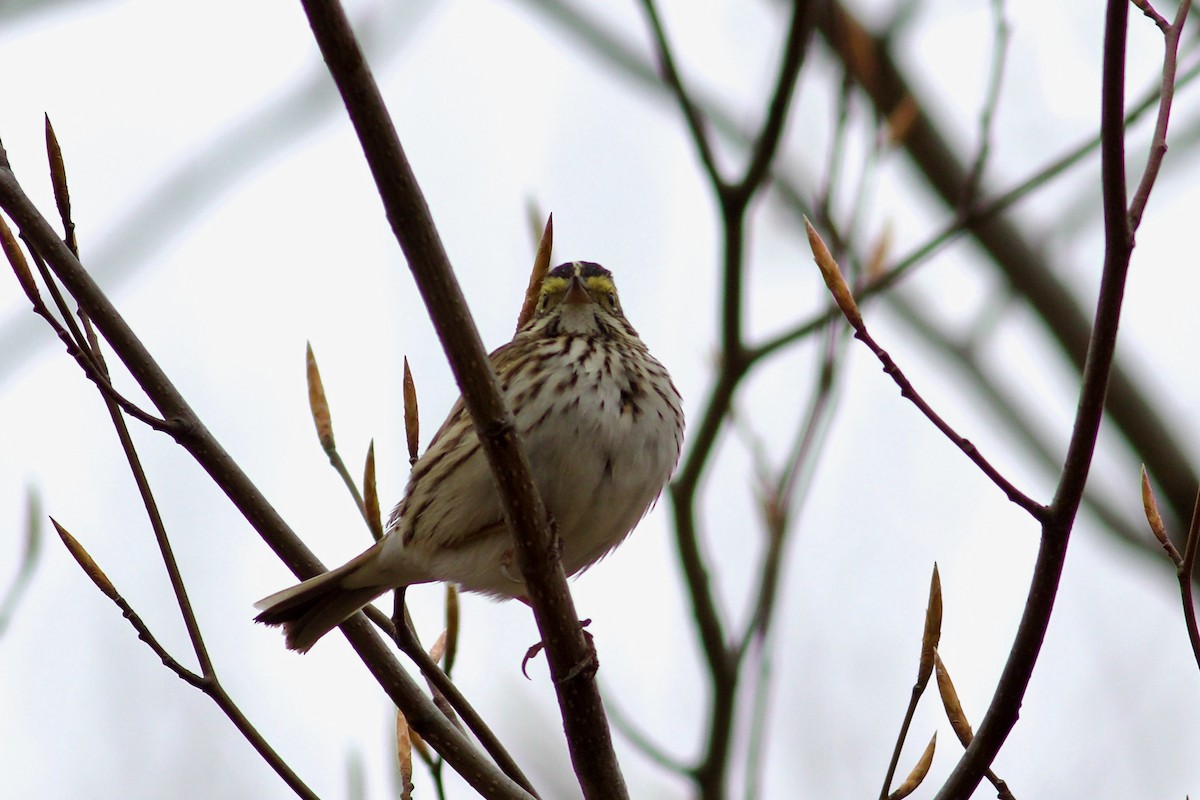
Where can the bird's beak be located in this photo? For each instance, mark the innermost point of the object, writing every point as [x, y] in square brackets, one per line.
[577, 293]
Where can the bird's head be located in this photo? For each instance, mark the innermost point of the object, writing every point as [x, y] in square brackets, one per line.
[578, 297]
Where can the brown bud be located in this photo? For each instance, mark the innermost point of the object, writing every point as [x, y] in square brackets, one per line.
[16, 257]
[954, 709]
[371, 494]
[90, 567]
[412, 416]
[541, 265]
[833, 277]
[933, 629]
[919, 771]
[317, 401]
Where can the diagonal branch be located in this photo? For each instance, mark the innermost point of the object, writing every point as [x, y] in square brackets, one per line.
[674, 81]
[1020, 262]
[766, 146]
[206, 682]
[840, 290]
[1002, 714]
[194, 437]
[588, 735]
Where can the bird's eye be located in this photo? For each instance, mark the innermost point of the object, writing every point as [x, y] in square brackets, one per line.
[612, 300]
[545, 302]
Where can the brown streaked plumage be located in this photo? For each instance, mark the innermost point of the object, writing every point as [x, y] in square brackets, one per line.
[602, 424]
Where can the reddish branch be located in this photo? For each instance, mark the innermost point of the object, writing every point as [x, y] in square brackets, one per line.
[1026, 269]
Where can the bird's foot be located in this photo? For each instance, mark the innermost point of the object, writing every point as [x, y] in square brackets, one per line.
[587, 665]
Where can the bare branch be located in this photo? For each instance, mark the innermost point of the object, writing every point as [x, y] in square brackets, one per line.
[673, 81]
[1158, 143]
[588, 737]
[991, 101]
[1018, 259]
[1002, 713]
[206, 683]
[191, 433]
[845, 301]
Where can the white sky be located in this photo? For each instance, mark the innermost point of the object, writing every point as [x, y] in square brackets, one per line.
[497, 108]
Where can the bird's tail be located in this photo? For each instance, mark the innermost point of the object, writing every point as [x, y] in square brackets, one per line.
[309, 610]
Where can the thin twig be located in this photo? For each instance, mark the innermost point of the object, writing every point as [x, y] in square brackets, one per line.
[1012, 250]
[1185, 571]
[673, 81]
[323, 418]
[1000, 34]
[1152, 14]
[89, 343]
[109, 590]
[206, 682]
[841, 292]
[71, 337]
[1015, 495]
[1158, 142]
[156, 521]
[1017, 420]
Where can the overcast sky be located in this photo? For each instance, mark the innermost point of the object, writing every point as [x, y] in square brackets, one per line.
[222, 200]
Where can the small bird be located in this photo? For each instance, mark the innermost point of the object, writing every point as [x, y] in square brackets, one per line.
[602, 424]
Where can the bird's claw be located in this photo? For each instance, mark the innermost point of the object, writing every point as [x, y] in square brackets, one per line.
[587, 666]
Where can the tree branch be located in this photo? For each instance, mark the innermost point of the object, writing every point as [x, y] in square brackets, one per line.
[588, 736]
[1158, 144]
[721, 656]
[194, 437]
[1002, 714]
[1022, 265]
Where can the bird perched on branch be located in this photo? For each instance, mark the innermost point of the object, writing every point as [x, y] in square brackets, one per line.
[602, 425]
